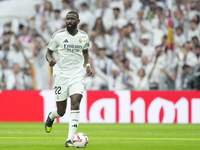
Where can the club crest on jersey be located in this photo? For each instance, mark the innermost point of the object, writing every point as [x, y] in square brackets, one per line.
[65, 41]
[80, 40]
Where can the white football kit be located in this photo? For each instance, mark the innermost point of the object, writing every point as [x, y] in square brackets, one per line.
[68, 70]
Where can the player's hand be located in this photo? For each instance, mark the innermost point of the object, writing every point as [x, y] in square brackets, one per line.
[88, 71]
[52, 62]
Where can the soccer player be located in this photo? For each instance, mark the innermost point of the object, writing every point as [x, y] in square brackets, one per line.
[70, 46]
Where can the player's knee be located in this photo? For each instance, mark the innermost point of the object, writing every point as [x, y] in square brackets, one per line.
[61, 112]
[75, 106]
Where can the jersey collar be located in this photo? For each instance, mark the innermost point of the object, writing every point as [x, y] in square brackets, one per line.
[70, 34]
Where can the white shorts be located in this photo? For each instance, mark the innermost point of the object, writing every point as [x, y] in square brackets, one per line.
[65, 87]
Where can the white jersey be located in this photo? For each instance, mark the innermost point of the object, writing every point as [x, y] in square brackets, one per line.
[68, 53]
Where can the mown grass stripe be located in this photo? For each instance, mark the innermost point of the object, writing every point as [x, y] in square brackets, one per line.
[96, 138]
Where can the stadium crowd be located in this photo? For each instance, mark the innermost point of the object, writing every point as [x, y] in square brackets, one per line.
[128, 45]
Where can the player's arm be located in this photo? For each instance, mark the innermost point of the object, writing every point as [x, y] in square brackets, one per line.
[86, 62]
[50, 58]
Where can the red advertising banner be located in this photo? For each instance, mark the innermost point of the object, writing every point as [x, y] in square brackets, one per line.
[106, 106]
[21, 106]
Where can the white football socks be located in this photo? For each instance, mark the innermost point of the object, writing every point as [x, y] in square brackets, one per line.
[54, 114]
[73, 123]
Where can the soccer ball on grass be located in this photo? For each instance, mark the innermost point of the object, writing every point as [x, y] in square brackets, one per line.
[80, 140]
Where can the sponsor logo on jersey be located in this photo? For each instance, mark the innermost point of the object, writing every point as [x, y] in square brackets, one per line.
[80, 40]
[73, 48]
[65, 41]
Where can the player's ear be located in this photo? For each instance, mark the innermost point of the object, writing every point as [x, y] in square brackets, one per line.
[78, 21]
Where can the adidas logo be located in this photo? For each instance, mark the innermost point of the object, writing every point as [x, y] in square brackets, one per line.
[65, 41]
[75, 120]
[75, 125]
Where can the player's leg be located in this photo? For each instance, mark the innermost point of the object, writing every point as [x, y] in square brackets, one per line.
[57, 112]
[74, 117]
[61, 93]
[75, 93]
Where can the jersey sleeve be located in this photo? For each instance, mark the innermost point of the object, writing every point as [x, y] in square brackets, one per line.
[86, 44]
[53, 43]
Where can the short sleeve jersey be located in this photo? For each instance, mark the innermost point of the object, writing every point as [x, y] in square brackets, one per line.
[68, 53]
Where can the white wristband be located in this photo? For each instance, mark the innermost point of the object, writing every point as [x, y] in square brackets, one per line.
[88, 65]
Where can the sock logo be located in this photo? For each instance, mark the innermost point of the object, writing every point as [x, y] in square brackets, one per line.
[75, 120]
[75, 125]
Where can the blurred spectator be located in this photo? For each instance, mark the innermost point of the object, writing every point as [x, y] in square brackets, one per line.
[86, 16]
[195, 41]
[135, 58]
[150, 11]
[102, 67]
[84, 27]
[7, 79]
[115, 80]
[186, 78]
[179, 36]
[140, 81]
[65, 9]
[19, 78]
[168, 72]
[147, 49]
[48, 10]
[156, 69]
[56, 22]
[117, 22]
[193, 31]
[106, 13]
[39, 67]
[127, 74]
[146, 65]
[7, 54]
[25, 38]
[18, 57]
[45, 32]
[197, 79]
[129, 12]
[102, 38]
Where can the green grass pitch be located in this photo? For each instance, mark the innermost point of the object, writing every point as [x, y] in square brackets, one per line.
[31, 136]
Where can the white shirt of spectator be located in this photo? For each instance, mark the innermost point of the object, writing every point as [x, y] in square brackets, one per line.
[9, 78]
[180, 39]
[87, 18]
[140, 84]
[192, 33]
[68, 50]
[64, 12]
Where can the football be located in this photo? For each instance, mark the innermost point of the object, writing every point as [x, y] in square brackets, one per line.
[80, 140]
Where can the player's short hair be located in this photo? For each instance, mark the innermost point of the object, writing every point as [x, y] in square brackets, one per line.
[73, 12]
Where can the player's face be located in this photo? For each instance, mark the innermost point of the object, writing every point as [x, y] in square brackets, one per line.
[71, 21]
